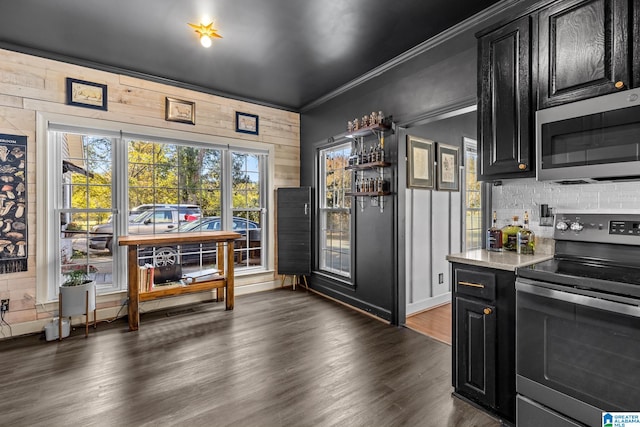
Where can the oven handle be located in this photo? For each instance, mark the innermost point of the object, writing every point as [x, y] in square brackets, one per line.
[538, 288]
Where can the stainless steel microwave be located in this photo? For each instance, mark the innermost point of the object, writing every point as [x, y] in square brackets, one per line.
[593, 140]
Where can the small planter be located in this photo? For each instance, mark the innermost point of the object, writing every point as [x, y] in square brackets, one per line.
[77, 300]
[74, 299]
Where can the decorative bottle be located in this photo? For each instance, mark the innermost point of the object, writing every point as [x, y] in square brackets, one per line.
[494, 236]
[510, 235]
[526, 238]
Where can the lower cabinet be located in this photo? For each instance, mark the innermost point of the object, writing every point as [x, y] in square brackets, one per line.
[483, 353]
[476, 350]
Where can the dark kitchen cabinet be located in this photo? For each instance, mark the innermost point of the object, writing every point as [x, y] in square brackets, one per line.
[483, 353]
[583, 50]
[505, 115]
[476, 349]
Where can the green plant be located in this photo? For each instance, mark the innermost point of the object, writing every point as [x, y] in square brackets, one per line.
[78, 275]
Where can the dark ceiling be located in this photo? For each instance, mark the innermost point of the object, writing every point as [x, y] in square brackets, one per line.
[285, 53]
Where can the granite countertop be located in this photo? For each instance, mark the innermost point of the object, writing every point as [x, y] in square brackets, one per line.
[500, 260]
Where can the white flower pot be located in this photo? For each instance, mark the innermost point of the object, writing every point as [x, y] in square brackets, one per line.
[73, 299]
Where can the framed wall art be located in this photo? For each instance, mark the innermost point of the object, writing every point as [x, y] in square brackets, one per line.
[177, 110]
[420, 163]
[86, 94]
[246, 123]
[448, 168]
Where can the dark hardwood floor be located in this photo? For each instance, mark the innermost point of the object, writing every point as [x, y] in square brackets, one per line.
[281, 358]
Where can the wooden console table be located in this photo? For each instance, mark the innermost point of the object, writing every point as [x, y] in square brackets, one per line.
[225, 241]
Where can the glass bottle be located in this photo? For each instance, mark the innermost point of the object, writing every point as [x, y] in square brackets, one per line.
[494, 236]
[379, 153]
[510, 235]
[526, 238]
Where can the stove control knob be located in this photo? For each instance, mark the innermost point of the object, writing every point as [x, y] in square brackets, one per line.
[562, 226]
[576, 226]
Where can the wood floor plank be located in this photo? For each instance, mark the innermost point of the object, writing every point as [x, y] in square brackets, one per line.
[280, 358]
[435, 322]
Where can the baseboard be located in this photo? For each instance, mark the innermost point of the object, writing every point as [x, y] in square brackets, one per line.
[426, 304]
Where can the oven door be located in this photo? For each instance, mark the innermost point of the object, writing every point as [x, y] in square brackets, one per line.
[576, 353]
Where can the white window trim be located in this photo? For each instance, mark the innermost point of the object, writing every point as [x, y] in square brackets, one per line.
[322, 219]
[45, 252]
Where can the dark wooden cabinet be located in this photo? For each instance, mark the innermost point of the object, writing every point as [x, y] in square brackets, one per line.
[294, 231]
[583, 50]
[476, 350]
[483, 352]
[505, 115]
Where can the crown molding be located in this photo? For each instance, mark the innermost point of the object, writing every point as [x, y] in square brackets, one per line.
[412, 53]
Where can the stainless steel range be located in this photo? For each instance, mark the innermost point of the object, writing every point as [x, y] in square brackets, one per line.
[578, 324]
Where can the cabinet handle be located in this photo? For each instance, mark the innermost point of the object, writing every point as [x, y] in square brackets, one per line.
[522, 166]
[487, 311]
[473, 285]
[619, 84]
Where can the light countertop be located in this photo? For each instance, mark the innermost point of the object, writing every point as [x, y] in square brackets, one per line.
[500, 260]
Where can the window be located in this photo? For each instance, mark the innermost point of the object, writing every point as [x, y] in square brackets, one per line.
[103, 184]
[474, 231]
[248, 207]
[335, 211]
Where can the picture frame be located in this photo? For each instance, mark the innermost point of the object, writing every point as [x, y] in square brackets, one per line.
[86, 94]
[420, 163]
[448, 168]
[247, 123]
[178, 110]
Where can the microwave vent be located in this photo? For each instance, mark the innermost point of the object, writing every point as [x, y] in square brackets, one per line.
[572, 182]
[618, 178]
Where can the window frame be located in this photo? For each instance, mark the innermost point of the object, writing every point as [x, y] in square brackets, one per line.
[323, 209]
[47, 250]
[469, 146]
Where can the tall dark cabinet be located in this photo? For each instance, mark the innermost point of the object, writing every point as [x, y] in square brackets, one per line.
[505, 119]
[294, 231]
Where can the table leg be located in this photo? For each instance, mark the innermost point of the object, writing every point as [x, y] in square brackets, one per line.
[230, 274]
[133, 288]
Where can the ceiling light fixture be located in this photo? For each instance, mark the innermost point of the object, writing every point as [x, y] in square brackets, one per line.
[206, 32]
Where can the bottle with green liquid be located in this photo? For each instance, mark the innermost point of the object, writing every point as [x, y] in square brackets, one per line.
[526, 238]
[510, 235]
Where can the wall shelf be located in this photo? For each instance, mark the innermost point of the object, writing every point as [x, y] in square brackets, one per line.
[371, 165]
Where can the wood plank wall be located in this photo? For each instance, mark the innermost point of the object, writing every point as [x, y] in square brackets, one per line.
[30, 84]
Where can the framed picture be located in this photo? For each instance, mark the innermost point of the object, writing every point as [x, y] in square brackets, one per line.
[420, 159]
[86, 94]
[177, 110]
[246, 123]
[448, 168]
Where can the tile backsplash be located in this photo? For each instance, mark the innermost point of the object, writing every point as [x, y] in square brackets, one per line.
[519, 195]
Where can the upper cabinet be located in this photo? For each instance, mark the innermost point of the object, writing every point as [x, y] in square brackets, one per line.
[504, 102]
[565, 51]
[583, 50]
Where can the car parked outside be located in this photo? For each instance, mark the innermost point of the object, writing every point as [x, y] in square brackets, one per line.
[187, 212]
[156, 220]
[193, 253]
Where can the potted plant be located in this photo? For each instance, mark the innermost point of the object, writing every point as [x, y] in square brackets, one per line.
[74, 290]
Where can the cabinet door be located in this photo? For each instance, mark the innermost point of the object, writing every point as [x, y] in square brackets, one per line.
[475, 337]
[504, 106]
[294, 230]
[583, 50]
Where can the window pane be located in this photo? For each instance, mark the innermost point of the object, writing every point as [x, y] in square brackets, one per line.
[473, 198]
[335, 216]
